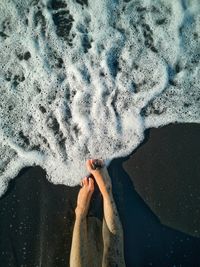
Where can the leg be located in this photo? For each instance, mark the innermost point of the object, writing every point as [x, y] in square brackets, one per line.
[79, 249]
[113, 254]
[95, 242]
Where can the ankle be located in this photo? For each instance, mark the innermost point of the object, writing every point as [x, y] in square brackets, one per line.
[80, 213]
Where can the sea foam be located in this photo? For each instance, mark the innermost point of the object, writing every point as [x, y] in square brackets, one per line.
[85, 78]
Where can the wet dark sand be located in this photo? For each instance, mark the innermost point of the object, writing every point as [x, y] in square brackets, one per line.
[166, 173]
[36, 217]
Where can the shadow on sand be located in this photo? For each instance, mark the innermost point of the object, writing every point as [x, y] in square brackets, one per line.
[147, 241]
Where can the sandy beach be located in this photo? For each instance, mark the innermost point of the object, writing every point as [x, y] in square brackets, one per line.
[100, 79]
[37, 217]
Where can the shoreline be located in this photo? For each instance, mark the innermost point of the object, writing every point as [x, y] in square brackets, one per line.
[39, 216]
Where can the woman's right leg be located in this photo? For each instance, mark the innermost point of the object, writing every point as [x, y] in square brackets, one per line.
[113, 254]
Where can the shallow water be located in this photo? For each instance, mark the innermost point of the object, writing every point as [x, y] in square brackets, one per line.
[82, 79]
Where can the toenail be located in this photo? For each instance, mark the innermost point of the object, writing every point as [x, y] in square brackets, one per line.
[90, 176]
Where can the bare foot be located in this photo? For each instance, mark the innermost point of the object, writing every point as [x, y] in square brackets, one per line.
[98, 169]
[84, 197]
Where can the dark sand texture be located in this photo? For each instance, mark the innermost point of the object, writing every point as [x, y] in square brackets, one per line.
[36, 217]
[166, 173]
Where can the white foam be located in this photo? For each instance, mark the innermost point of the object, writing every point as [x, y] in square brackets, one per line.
[85, 80]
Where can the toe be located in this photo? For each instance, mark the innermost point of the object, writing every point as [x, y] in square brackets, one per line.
[85, 181]
[97, 163]
[91, 184]
[89, 165]
[93, 164]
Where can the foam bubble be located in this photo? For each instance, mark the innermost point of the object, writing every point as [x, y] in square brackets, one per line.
[85, 78]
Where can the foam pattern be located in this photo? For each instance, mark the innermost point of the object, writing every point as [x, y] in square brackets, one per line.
[85, 78]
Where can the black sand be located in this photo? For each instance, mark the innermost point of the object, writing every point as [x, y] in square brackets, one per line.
[36, 217]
